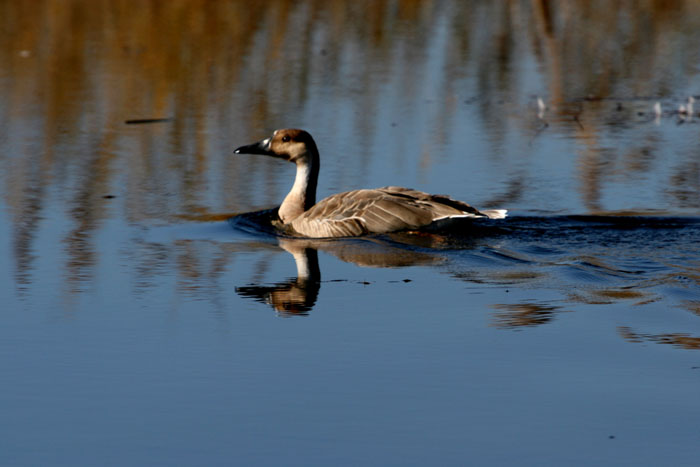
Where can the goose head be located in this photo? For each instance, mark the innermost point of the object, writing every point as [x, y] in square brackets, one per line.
[292, 145]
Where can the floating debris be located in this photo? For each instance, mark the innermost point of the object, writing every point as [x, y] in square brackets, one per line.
[138, 121]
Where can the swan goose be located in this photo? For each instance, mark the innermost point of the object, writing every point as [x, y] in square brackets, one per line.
[352, 213]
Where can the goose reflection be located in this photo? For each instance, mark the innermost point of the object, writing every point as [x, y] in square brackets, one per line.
[298, 295]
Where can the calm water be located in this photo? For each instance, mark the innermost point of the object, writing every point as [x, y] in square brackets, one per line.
[147, 320]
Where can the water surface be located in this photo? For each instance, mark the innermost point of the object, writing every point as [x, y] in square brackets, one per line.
[147, 319]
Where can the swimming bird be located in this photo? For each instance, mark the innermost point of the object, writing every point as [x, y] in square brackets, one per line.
[352, 213]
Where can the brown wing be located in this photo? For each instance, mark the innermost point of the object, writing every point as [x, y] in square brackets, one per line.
[381, 210]
[434, 200]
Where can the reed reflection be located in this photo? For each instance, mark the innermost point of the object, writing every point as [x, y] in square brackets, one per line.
[524, 314]
[678, 339]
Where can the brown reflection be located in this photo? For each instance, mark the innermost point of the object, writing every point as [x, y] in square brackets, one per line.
[89, 208]
[693, 306]
[377, 254]
[680, 340]
[26, 224]
[685, 183]
[526, 314]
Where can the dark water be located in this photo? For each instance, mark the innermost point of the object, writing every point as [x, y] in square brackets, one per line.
[151, 317]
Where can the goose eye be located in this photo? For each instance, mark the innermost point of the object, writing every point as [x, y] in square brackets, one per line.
[285, 139]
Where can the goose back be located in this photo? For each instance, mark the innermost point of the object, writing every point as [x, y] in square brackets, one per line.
[379, 210]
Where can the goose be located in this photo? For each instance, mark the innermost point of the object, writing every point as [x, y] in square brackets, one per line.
[352, 213]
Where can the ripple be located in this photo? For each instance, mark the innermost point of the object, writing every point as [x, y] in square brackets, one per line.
[590, 259]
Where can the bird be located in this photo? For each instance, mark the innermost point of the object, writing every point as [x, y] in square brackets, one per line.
[352, 213]
[541, 107]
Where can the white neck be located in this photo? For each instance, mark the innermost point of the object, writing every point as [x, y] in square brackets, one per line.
[303, 193]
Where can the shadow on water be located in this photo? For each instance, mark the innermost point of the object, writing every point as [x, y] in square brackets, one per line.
[593, 259]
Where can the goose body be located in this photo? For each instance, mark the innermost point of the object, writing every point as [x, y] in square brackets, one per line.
[357, 212]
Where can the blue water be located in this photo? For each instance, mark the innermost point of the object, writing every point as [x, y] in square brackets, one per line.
[489, 350]
[151, 317]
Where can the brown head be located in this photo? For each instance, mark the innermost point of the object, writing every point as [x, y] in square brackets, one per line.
[294, 146]
[289, 144]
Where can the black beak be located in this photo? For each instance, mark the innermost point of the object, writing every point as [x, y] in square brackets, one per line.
[261, 147]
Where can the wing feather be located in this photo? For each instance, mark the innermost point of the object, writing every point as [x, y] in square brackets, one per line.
[380, 210]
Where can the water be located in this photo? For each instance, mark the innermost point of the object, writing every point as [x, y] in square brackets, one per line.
[147, 319]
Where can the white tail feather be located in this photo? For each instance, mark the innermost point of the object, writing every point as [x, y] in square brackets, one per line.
[496, 213]
[489, 213]
[457, 216]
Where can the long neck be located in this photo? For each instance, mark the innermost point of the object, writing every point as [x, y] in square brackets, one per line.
[303, 193]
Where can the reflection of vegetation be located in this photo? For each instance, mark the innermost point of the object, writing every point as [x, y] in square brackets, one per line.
[605, 296]
[686, 185]
[693, 305]
[681, 340]
[517, 315]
